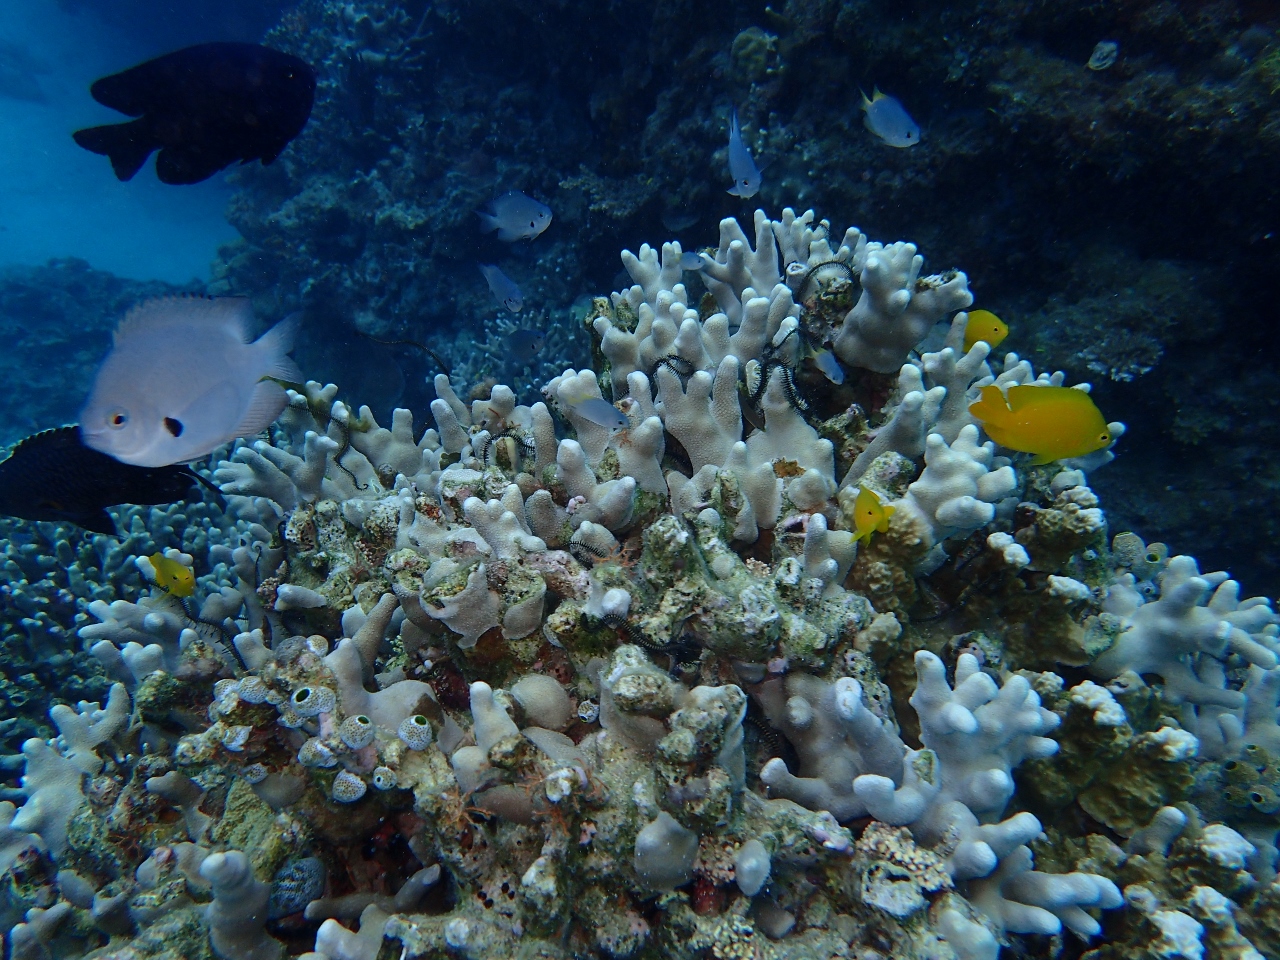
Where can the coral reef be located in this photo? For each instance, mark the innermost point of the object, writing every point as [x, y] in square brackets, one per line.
[544, 680]
[426, 111]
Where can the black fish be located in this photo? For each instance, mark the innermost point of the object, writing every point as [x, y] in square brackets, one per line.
[53, 476]
[203, 108]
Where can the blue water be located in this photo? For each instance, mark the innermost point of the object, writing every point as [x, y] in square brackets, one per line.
[57, 200]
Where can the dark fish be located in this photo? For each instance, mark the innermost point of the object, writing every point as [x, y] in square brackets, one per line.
[203, 108]
[53, 476]
[526, 343]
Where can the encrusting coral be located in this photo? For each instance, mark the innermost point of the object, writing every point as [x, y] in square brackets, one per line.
[640, 691]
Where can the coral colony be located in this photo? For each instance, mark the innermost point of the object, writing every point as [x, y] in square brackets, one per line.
[538, 684]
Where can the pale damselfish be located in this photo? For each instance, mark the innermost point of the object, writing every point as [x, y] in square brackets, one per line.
[184, 377]
[53, 476]
[742, 167]
[203, 108]
[515, 216]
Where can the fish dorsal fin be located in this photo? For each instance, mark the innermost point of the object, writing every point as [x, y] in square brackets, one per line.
[53, 437]
[232, 314]
[1022, 395]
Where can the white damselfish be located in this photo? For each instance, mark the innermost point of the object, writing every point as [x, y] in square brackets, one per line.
[183, 377]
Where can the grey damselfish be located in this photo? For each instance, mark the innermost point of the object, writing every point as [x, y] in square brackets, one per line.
[516, 216]
[502, 287]
[183, 377]
[743, 169]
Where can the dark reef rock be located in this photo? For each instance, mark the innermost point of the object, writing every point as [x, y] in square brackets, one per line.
[56, 322]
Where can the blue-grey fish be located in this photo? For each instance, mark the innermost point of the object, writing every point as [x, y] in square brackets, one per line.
[525, 343]
[183, 377]
[691, 260]
[502, 287]
[746, 176]
[826, 361]
[515, 216]
[886, 118]
[600, 412]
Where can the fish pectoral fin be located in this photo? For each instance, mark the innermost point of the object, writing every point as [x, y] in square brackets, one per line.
[126, 144]
[265, 405]
[98, 521]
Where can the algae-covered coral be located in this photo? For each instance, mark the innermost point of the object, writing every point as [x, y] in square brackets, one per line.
[520, 684]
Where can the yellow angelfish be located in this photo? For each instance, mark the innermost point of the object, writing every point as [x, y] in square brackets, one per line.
[173, 577]
[984, 325]
[870, 515]
[1051, 422]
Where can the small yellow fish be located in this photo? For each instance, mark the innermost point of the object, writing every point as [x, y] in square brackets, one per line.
[984, 325]
[1051, 422]
[173, 577]
[870, 515]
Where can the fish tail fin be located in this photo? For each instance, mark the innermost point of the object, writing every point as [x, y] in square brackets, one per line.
[992, 409]
[124, 143]
[487, 221]
[275, 345]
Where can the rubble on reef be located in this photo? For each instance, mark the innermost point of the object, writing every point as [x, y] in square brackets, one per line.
[526, 685]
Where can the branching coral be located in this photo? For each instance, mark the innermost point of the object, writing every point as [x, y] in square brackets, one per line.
[631, 680]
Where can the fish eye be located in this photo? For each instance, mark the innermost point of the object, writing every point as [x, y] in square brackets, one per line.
[118, 418]
[1105, 437]
[173, 426]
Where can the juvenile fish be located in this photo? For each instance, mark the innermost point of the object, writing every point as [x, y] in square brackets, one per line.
[600, 412]
[502, 287]
[172, 576]
[203, 108]
[826, 361]
[183, 378]
[870, 515]
[53, 476]
[746, 176]
[886, 118]
[984, 325]
[525, 344]
[515, 217]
